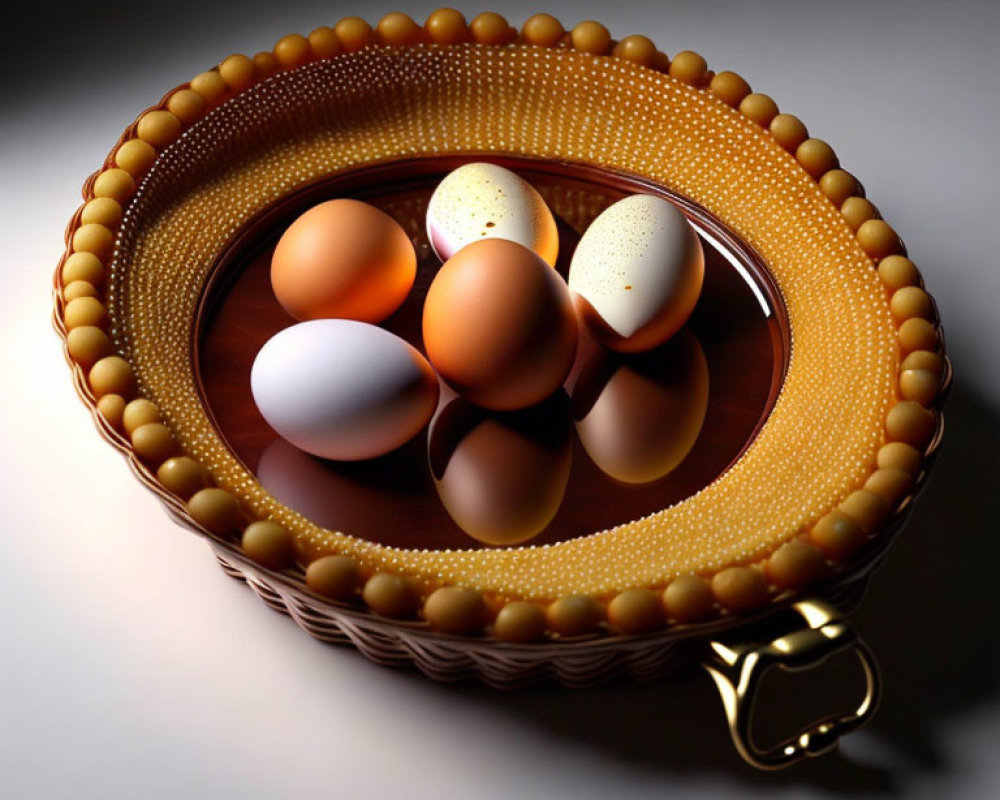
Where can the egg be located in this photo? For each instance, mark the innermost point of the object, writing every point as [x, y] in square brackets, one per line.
[343, 259]
[499, 326]
[638, 416]
[501, 477]
[637, 273]
[486, 201]
[343, 389]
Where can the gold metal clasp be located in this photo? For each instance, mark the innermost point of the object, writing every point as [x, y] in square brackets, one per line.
[737, 670]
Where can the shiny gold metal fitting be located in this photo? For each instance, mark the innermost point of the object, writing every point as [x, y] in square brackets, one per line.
[738, 669]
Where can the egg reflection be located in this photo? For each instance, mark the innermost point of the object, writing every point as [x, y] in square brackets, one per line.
[638, 416]
[370, 498]
[501, 476]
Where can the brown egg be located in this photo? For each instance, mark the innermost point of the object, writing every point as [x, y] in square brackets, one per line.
[501, 476]
[499, 325]
[639, 416]
[343, 259]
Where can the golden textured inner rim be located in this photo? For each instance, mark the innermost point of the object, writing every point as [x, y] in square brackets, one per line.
[821, 439]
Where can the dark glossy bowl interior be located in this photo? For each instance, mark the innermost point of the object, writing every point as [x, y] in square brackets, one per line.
[399, 500]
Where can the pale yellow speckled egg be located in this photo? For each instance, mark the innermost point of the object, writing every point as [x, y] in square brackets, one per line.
[486, 201]
[637, 273]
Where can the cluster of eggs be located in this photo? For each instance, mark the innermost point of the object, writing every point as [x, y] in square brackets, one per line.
[500, 325]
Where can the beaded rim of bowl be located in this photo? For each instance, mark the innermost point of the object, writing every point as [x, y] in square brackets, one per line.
[912, 425]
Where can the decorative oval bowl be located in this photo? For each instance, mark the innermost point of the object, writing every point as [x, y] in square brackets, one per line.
[781, 438]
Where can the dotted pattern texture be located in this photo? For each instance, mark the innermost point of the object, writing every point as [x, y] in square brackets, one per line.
[821, 439]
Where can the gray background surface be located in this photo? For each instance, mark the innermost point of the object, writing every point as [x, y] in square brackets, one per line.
[131, 668]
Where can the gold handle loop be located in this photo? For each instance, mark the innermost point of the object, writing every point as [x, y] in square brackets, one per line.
[738, 670]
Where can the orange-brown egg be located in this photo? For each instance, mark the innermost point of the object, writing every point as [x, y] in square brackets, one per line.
[343, 259]
[499, 325]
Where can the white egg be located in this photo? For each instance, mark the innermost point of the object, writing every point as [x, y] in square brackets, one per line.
[342, 389]
[637, 273]
[486, 201]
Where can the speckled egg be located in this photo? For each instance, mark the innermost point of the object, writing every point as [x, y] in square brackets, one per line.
[342, 389]
[637, 273]
[486, 201]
